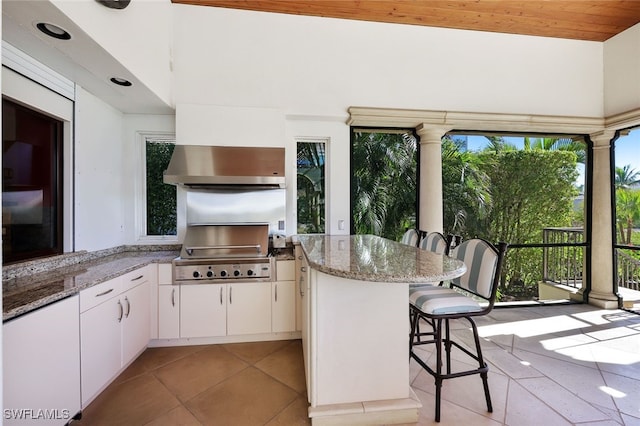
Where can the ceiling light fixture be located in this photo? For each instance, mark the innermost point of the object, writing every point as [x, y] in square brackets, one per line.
[114, 4]
[120, 81]
[53, 31]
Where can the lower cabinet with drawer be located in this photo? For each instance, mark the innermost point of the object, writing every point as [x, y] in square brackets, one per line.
[114, 328]
[168, 304]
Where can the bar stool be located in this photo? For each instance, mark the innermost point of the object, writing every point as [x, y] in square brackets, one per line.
[460, 299]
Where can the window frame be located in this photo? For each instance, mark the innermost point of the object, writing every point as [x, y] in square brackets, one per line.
[141, 189]
[325, 141]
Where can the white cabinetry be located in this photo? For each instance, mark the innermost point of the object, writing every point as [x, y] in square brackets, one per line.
[283, 298]
[114, 328]
[203, 310]
[303, 291]
[249, 308]
[41, 365]
[168, 304]
[211, 310]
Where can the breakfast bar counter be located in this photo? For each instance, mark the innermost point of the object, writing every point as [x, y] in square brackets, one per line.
[355, 324]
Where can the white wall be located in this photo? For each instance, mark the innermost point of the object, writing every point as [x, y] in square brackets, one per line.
[320, 66]
[621, 72]
[230, 65]
[138, 36]
[101, 178]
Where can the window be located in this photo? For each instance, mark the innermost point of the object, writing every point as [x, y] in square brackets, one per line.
[32, 215]
[527, 190]
[384, 173]
[311, 186]
[626, 182]
[159, 219]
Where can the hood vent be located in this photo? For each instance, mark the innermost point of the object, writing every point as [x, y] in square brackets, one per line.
[198, 165]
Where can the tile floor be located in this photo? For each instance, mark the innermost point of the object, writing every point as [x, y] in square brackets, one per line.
[549, 365]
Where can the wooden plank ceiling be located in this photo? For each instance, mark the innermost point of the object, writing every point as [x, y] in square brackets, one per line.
[593, 20]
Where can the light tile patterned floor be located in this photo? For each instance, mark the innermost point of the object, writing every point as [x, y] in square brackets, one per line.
[549, 365]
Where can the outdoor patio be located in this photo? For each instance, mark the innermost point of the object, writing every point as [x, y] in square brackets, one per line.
[557, 365]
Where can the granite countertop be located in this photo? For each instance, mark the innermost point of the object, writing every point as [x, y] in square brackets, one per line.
[372, 258]
[34, 284]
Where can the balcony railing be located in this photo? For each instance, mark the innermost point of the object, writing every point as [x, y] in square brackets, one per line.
[628, 275]
[563, 264]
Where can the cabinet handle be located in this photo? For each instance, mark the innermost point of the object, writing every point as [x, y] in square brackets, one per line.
[128, 307]
[276, 292]
[104, 292]
[300, 257]
[173, 297]
[303, 268]
[121, 311]
[230, 295]
[137, 278]
[221, 302]
[301, 291]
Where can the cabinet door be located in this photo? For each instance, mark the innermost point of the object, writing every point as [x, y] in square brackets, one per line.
[100, 346]
[203, 310]
[304, 288]
[283, 306]
[298, 265]
[249, 308]
[135, 324]
[41, 365]
[168, 312]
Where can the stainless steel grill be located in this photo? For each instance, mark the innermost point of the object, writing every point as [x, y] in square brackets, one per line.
[218, 253]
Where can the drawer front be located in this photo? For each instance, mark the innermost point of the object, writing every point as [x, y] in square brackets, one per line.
[165, 276]
[134, 278]
[100, 293]
[285, 270]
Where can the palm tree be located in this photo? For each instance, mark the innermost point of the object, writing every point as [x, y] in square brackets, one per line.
[626, 177]
[558, 144]
[627, 212]
[384, 183]
[465, 188]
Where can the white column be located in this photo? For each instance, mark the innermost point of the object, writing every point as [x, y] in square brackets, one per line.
[602, 267]
[430, 196]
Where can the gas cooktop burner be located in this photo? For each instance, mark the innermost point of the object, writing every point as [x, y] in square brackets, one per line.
[202, 271]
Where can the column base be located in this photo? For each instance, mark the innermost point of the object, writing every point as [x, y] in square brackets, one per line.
[601, 300]
[396, 411]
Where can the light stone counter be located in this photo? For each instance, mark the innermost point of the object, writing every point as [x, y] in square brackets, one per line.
[372, 258]
[34, 284]
[354, 295]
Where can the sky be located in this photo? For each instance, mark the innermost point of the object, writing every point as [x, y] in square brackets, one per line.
[627, 150]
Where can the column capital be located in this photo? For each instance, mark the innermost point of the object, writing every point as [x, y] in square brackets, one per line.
[431, 134]
[602, 138]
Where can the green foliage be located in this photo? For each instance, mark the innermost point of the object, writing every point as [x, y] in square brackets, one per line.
[311, 187]
[161, 198]
[384, 183]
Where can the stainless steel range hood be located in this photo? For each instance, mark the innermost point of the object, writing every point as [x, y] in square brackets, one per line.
[198, 165]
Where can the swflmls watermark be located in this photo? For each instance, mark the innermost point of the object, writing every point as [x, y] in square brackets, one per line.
[36, 414]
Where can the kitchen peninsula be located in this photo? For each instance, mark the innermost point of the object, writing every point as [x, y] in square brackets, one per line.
[355, 324]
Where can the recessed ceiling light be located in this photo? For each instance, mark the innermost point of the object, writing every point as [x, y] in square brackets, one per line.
[120, 81]
[53, 31]
[115, 4]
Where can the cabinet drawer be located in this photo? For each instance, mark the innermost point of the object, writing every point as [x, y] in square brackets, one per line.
[165, 276]
[135, 278]
[285, 270]
[100, 293]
